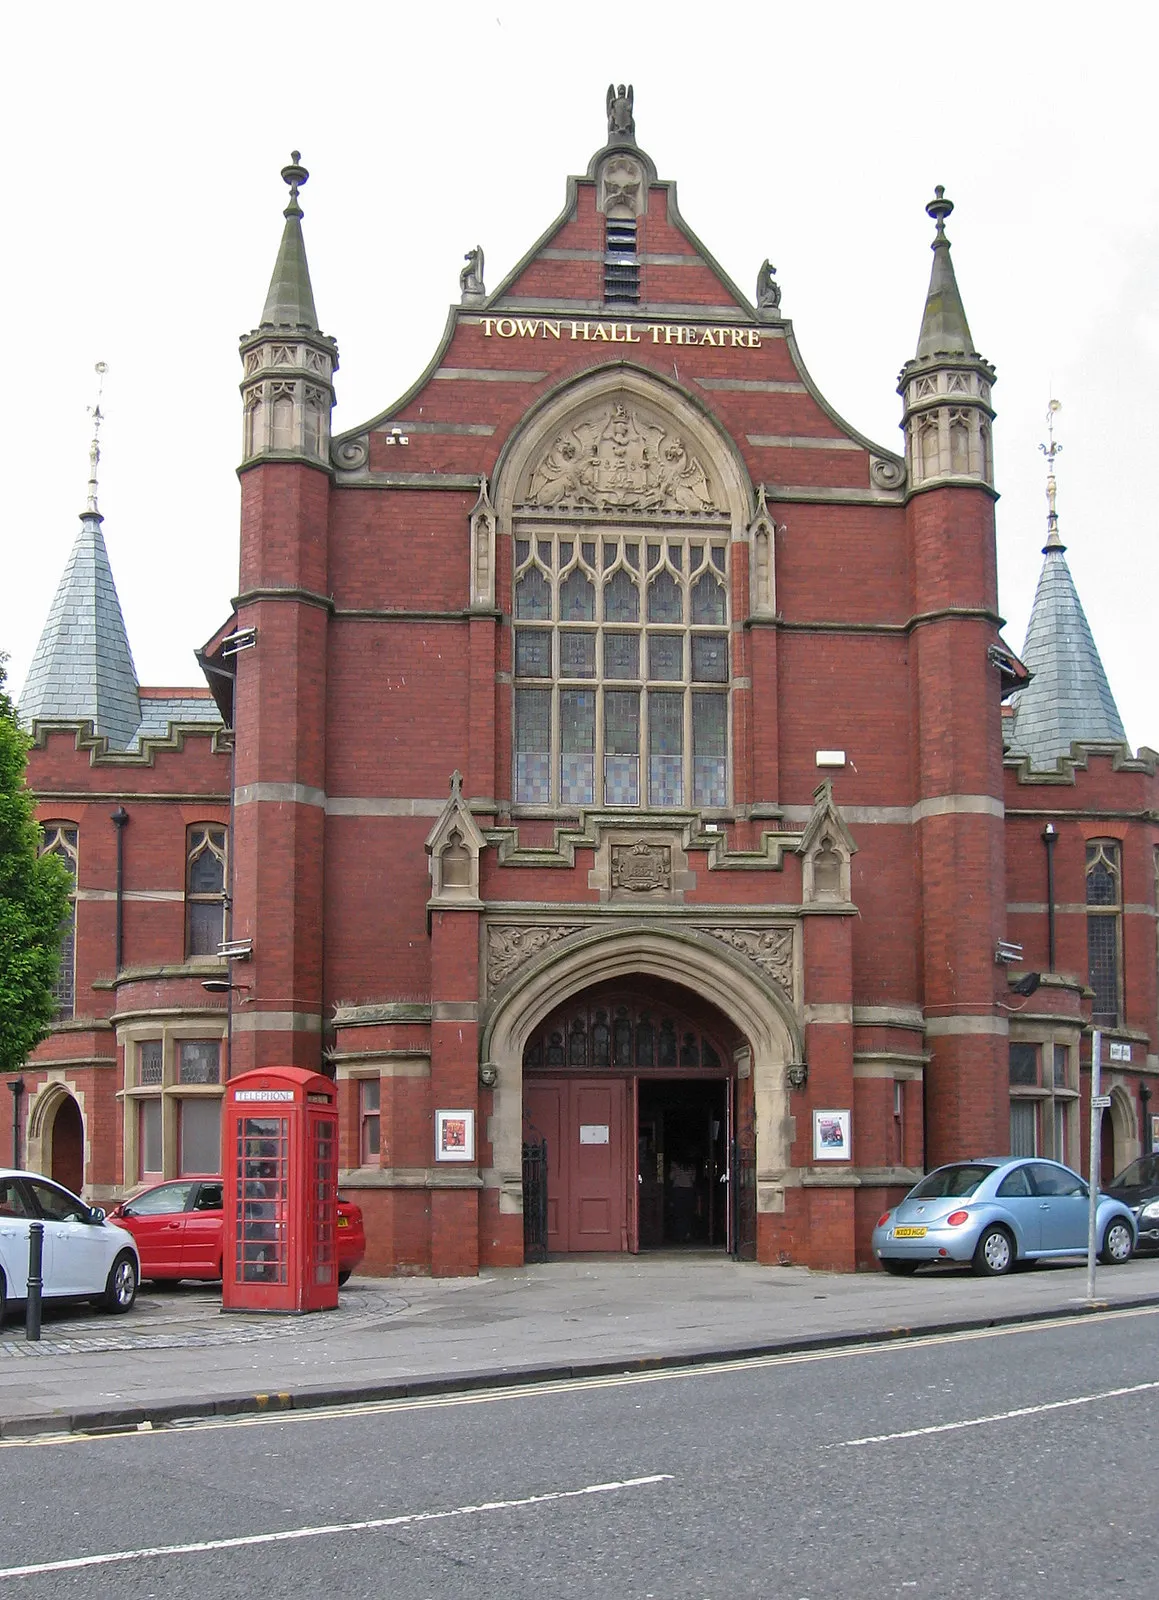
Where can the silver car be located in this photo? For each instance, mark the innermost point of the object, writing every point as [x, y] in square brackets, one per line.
[85, 1257]
[997, 1211]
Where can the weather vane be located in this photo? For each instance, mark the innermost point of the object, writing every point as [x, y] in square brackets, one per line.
[97, 415]
[1050, 451]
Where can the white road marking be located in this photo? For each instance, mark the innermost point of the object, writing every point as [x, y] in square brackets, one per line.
[73, 1564]
[997, 1416]
[615, 1380]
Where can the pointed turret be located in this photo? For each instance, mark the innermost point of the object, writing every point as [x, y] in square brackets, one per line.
[83, 669]
[1068, 699]
[946, 387]
[290, 301]
[287, 388]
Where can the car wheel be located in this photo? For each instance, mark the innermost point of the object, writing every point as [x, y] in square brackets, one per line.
[344, 1277]
[121, 1288]
[1117, 1243]
[897, 1269]
[995, 1253]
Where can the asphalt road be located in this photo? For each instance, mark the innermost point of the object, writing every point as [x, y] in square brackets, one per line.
[1000, 1463]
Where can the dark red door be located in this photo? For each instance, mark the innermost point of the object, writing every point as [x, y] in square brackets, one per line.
[583, 1123]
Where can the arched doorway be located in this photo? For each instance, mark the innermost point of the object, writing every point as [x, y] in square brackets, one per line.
[727, 1002]
[634, 1090]
[68, 1145]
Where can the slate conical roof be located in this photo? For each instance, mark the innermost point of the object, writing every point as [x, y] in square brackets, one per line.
[1068, 697]
[290, 301]
[83, 667]
[945, 330]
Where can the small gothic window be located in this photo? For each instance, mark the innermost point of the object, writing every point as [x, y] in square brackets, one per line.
[827, 870]
[61, 840]
[204, 889]
[1105, 929]
[621, 263]
[456, 863]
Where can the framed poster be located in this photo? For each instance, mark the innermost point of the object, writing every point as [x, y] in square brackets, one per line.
[454, 1136]
[1154, 1132]
[831, 1136]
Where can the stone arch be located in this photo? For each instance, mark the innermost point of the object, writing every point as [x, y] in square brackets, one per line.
[671, 404]
[678, 955]
[1124, 1132]
[45, 1152]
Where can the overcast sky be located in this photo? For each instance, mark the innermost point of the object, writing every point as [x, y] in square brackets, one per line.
[143, 209]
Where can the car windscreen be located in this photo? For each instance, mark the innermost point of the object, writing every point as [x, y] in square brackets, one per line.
[951, 1182]
[1141, 1174]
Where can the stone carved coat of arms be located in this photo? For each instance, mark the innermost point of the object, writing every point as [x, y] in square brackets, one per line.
[622, 462]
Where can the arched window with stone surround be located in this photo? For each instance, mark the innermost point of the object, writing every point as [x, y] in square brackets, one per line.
[61, 839]
[621, 668]
[1105, 929]
[205, 889]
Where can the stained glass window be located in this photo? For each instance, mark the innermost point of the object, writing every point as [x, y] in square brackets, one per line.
[622, 656]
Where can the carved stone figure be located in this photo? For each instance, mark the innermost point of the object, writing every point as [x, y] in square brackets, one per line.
[621, 181]
[471, 278]
[621, 122]
[768, 289]
[620, 461]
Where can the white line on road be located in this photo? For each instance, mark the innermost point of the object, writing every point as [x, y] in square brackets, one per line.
[725, 1366]
[997, 1416]
[327, 1529]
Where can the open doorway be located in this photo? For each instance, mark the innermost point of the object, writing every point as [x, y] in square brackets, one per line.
[682, 1163]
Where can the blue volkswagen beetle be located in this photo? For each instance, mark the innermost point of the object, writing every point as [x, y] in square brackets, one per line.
[997, 1211]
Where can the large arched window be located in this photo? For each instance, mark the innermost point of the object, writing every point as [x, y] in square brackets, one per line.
[1105, 930]
[205, 889]
[621, 667]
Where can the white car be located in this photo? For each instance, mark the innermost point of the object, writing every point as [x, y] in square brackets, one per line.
[85, 1256]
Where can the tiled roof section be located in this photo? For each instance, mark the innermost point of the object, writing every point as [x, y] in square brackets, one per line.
[159, 712]
[83, 667]
[1069, 697]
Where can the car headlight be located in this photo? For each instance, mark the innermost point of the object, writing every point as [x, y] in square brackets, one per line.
[1151, 1212]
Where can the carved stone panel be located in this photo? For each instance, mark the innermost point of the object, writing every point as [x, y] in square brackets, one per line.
[770, 949]
[509, 948]
[641, 867]
[620, 459]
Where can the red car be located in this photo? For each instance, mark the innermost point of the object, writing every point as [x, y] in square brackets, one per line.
[178, 1229]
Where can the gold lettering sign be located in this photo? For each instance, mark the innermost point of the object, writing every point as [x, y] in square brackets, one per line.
[567, 329]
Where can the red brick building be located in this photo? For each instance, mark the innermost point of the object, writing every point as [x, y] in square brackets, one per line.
[619, 762]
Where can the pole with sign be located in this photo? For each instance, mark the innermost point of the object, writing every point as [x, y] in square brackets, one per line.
[1099, 1103]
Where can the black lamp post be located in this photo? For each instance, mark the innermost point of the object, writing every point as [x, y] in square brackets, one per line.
[1145, 1113]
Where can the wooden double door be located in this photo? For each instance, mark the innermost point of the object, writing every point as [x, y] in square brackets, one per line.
[634, 1162]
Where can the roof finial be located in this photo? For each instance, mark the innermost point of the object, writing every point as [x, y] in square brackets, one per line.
[1053, 542]
[97, 415]
[296, 176]
[939, 208]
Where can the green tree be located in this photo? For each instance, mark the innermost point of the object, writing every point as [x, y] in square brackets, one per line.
[34, 891]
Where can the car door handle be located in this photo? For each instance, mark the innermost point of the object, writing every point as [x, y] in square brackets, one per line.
[172, 1224]
[1044, 1206]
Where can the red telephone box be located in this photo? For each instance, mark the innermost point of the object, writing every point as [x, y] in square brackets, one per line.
[280, 1165]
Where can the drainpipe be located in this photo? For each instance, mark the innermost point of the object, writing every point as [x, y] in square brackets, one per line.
[1145, 1113]
[119, 820]
[1050, 839]
[17, 1087]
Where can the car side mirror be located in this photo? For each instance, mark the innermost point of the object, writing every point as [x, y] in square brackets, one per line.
[97, 1214]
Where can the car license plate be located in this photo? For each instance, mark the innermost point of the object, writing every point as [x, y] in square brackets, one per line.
[344, 1222]
[909, 1233]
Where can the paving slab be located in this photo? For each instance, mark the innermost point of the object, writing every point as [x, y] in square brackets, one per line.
[176, 1354]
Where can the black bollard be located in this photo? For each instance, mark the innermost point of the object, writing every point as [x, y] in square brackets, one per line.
[35, 1280]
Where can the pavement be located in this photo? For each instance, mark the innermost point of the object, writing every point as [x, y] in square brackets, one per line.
[176, 1357]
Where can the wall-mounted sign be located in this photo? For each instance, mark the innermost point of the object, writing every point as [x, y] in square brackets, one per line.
[593, 1133]
[565, 329]
[1119, 1051]
[832, 1136]
[263, 1094]
[1155, 1133]
[454, 1136]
